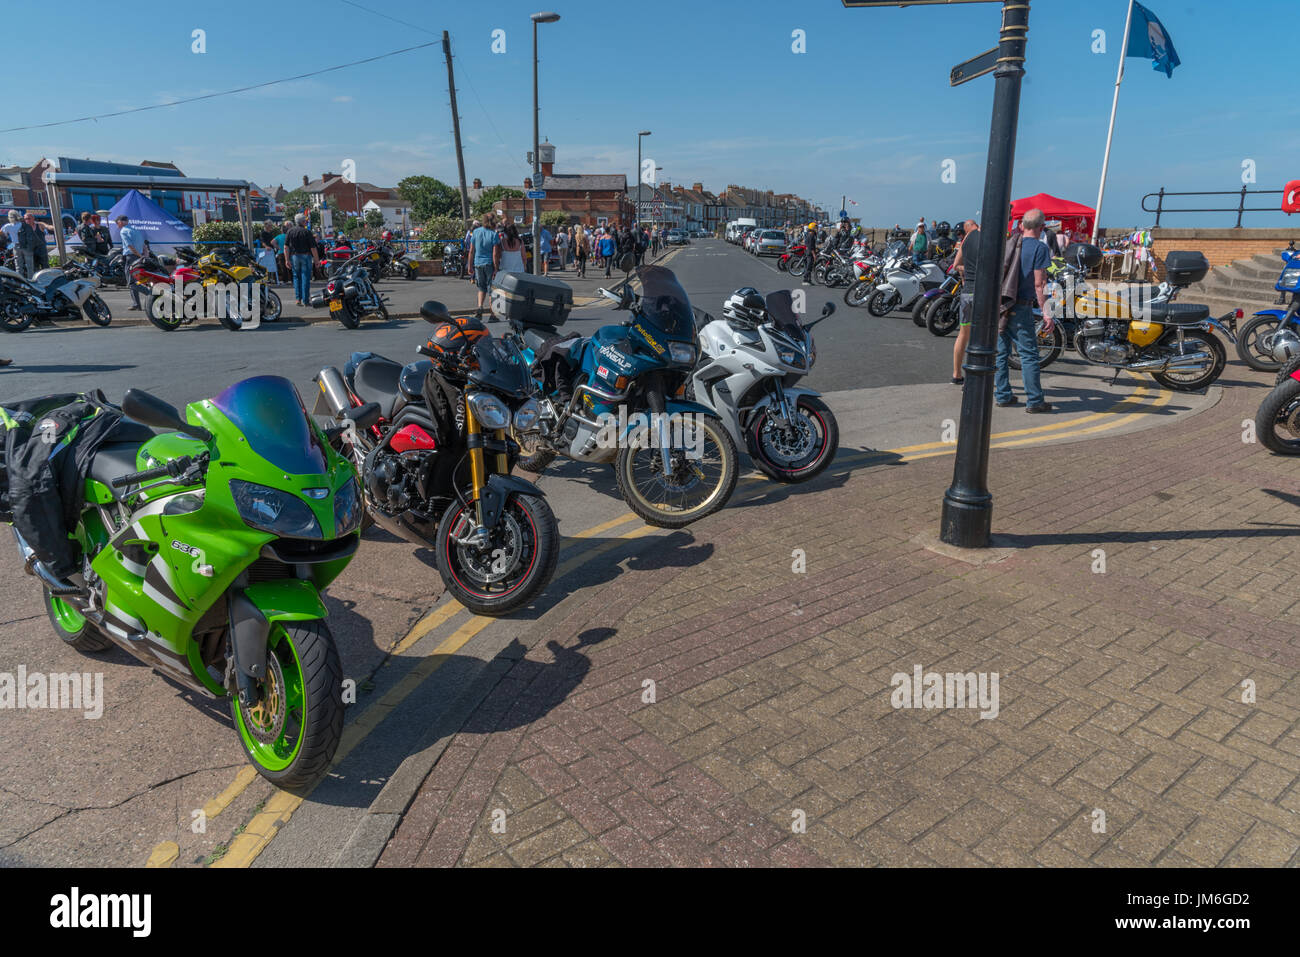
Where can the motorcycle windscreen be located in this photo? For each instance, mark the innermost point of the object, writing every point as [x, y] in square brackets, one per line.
[270, 414]
[780, 311]
[664, 301]
[502, 367]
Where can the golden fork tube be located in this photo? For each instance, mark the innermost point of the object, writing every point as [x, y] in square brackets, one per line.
[477, 469]
[503, 461]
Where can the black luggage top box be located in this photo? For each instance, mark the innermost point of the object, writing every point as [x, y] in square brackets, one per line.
[1082, 255]
[529, 300]
[1185, 268]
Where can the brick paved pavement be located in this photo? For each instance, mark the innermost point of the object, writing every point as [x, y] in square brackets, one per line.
[1121, 692]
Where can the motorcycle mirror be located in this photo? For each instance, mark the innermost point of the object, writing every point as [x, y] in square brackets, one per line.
[435, 312]
[627, 263]
[828, 309]
[150, 410]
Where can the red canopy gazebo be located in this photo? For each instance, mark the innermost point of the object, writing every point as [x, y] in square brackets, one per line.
[1073, 216]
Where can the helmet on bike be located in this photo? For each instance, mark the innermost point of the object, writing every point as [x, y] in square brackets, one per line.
[1285, 346]
[454, 341]
[745, 306]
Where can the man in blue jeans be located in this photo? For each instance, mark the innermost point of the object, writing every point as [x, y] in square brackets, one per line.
[1032, 288]
[299, 245]
[486, 245]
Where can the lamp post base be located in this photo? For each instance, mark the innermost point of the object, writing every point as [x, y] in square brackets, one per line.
[967, 520]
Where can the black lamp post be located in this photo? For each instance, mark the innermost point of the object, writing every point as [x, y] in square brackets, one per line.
[537, 159]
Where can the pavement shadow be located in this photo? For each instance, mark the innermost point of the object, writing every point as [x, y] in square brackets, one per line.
[61, 369]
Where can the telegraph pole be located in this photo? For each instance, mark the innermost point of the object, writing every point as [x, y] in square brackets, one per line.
[455, 126]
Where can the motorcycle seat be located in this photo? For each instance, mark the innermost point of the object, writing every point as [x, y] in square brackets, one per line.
[378, 380]
[1177, 313]
[113, 460]
[538, 338]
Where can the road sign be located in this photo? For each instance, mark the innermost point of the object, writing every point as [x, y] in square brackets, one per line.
[536, 194]
[844, 214]
[986, 62]
[539, 180]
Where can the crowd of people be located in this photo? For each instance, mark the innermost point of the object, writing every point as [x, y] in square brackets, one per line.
[491, 247]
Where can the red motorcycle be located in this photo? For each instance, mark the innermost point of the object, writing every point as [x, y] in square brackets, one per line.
[165, 307]
[783, 263]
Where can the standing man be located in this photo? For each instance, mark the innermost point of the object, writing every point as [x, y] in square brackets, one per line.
[299, 245]
[1031, 288]
[487, 257]
[810, 253]
[13, 229]
[920, 242]
[544, 240]
[964, 265]
[91, 243]
[134, 249]
[40, 252]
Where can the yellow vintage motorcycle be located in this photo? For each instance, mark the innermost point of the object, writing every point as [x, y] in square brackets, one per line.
[1139, 329]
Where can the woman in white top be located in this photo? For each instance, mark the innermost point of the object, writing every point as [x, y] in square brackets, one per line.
[512, 251]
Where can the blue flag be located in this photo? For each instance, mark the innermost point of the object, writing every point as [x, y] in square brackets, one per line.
[1149, 40]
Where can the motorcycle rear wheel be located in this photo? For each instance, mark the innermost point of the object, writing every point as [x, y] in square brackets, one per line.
[1280, 408]
[918, 311]
[638, 467]
[12, 318]
[1197, 382]
[781, 264]
[538, 541]
[1049, 348]
[72, 626]
[291, 735]
[350, 314]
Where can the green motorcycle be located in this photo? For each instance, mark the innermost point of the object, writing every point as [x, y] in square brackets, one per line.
[204, 553]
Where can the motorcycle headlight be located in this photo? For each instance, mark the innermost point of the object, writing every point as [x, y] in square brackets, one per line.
[489, 410]
[791, 357]
[1290, 276]
[347, 509]
[682, 352]
[272, 510]
[526, 416]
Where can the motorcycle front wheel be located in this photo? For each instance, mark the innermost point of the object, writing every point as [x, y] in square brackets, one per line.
[1277, 423]
[798, 266]
[859, 291]
[882, 302]
[1050, 347]
[942, 315]
[512, 568]
[1193, 381]
[781, 264]
[1250, 343]
[293, 730]
[96, 310]
[699, 485]
[271, 305]
[155, 309]
[918, 311]
[799, 451]
[12, 317]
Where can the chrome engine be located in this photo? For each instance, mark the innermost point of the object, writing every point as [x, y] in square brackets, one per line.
[1104, 342]
[394, 479]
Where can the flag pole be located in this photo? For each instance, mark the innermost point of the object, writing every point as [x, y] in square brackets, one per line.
[1110, 132]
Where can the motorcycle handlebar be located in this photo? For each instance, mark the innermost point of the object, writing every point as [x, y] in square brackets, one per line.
[172, 468]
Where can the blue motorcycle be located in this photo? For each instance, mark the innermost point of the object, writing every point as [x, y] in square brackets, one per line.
[1255, 342]
[617, 397]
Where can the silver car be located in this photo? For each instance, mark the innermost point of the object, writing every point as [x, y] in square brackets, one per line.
[770, 242]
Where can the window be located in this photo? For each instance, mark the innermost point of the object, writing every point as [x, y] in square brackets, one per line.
[6, 197]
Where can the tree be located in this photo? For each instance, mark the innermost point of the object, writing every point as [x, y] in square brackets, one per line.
[216, 231]
[429, 197]
[487, 201]
[555, 219]
[375, 218]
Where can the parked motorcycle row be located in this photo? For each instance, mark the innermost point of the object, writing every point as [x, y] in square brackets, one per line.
[203, 539]
[69, 292]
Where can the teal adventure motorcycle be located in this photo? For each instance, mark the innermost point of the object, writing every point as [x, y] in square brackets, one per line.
[203, 551]
[619, 397]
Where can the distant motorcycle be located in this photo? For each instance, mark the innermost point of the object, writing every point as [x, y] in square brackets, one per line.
[1255, 342]
[48, 295]
[351, 296]
[903, 284]
[1277, 423]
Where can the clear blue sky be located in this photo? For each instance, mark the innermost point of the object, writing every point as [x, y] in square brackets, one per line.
[866, 112]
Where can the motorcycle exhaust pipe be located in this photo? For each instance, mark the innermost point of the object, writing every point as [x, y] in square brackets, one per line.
[1195, 361]
[334, 391]
[33, 566]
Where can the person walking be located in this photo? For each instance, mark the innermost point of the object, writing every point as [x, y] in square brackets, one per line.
[266, 254]
[283, 272]
[607, 249]
[810, 253]
[134, 248]
[963, 265]
[1027, 261]
[562, 246]
[13, 229]
[512, 251]
[544, 241]
[487, 259]
[580, 250]
[299, 247]
[467, 251]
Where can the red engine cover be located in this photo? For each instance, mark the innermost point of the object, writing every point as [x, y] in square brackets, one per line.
[185, 274]
[412, 439]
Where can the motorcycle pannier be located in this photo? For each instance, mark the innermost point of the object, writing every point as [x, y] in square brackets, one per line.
[1083, 255]
[1185, 268]
[530, 300]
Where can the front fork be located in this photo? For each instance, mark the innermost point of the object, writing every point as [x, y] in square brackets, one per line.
[478, 465]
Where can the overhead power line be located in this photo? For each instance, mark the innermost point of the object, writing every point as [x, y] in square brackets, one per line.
[212, 96]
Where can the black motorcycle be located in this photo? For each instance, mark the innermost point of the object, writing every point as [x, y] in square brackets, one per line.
[106, 269]
[351, 296]
[431, 442]
[393, 263]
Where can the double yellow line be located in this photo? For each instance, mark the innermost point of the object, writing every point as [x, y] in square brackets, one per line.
[263, 827]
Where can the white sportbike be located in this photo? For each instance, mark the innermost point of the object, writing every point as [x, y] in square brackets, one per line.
[750, 362]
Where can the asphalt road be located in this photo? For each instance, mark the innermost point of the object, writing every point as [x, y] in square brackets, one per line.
[113, 790]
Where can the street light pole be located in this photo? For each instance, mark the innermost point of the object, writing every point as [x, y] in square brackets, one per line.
[968, 505]
[537, 159]
[636, 209]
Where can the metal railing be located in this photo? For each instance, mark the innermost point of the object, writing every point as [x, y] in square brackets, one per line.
[1240, 208]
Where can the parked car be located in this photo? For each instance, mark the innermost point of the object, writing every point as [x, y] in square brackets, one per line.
[770, 242]
[677, 238]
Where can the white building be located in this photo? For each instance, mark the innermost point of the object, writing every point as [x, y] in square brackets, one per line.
[395, 211]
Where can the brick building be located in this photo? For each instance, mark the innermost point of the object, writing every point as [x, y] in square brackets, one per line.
[587, 198]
